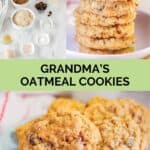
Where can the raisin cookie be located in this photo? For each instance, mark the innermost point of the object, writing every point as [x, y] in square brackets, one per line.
[133, 1]
[117, 31]
[59, 131]
[137, 112]
[64, 104]
[110, 44]
[116, 132]
[124, 108]
[89, 18]
[119, 134]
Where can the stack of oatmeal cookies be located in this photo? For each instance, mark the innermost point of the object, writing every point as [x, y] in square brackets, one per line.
[106, 26]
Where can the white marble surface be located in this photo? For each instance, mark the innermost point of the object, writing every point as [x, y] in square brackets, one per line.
[0, 4]
[145, 4]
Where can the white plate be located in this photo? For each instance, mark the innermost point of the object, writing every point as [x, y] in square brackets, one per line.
[142, 38]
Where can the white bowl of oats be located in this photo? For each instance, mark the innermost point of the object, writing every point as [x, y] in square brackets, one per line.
[23, 18]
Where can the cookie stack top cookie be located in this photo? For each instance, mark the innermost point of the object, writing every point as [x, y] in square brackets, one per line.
[106, 25]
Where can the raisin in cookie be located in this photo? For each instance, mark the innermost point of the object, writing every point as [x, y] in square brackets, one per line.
[59, 131]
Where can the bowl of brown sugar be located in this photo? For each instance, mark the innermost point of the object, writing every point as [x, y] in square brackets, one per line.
[20, 3]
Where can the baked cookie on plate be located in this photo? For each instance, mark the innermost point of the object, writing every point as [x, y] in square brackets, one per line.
[89, 18]
[103, 44]
[59, 131]
[117, 31]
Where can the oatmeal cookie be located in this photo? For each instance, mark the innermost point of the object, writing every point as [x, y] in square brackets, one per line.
[124, 108]
[119, 134]
[98, 100]
[148, 123]
[109, 1]
[135, 111]
[139, 114]
[103, 44]
[116, 132]
[117, 31]
[59, 131]
[90, 18]
[64, 104]
[108, 8]
[135, 1]
[105, 52]
[147, 57]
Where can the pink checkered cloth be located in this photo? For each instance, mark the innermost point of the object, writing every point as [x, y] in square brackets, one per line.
[17, 108]
[69, 2]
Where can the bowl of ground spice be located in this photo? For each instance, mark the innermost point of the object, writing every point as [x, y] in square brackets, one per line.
[20, 3]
